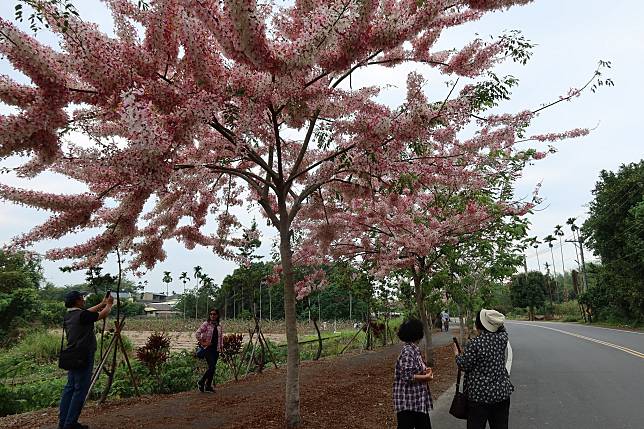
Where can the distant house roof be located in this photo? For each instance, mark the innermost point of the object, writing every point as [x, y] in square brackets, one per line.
[125, 295]
[158, 306]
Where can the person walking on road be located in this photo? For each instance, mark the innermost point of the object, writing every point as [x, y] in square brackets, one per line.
[445, 319]
[411, 395]
[487, 382]
[78, 324]
[211, 337]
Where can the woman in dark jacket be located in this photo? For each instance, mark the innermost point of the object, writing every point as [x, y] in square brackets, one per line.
[412, 398]
[487, 382]
[210, 336]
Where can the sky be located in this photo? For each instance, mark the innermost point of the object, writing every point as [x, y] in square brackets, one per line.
[570, 36]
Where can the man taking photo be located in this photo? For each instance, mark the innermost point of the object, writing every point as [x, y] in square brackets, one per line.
[79, 329]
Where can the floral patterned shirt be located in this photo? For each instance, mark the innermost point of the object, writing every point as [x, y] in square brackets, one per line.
[486, 377]
[409, 394]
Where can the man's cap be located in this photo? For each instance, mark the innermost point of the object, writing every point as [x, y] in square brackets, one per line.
[72, 297]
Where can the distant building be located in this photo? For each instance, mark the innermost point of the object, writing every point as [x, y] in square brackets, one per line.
[160, 309]
[123, 296]
[146, 297]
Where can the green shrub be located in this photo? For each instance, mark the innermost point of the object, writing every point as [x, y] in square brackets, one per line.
[52, 313]
[30, 396]
[568, 308]
[39, 346]
[9, 402]
[572, 319]
[180, 372]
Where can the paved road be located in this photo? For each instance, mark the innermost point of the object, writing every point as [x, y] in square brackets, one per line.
[570, 376]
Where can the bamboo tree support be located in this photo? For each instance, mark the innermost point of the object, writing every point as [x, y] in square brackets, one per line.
[367, 343]
[252, 354]
[116, 343]
[270, 352]
[352, 339]
[256, 337]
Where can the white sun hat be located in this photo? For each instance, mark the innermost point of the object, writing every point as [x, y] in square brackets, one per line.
[492, 320]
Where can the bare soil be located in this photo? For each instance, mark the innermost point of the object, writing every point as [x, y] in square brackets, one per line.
[351, 391]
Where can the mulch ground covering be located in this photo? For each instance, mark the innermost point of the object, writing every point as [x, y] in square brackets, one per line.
[351, 391]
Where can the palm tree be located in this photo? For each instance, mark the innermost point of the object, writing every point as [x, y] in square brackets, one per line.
[206, 282]
[197, 274]
[167, 279]
[559, 233]
[575, 233]
[549, 239]
[535, 244]
[184, 278]
[571, 223]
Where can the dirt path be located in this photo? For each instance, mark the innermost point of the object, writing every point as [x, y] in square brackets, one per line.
[347, 392]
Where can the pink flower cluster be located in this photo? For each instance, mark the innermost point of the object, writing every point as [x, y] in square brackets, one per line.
[218, 105]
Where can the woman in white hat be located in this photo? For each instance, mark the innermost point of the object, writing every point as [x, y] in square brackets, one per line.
[487, 382]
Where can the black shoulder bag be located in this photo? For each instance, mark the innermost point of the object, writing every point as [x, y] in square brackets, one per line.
[71, 358]
[459, 404]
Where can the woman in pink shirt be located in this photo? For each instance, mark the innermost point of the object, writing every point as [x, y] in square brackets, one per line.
[211, 337]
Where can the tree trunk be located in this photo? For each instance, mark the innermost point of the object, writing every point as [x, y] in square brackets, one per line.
[461, 324]
[292, 405]
[427, 329]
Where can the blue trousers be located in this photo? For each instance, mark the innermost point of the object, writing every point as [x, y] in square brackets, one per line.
[74, 392]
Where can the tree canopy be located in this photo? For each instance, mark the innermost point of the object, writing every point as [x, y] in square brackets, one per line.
[614, 231]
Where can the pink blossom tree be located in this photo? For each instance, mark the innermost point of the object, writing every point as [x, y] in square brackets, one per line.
[218, 104]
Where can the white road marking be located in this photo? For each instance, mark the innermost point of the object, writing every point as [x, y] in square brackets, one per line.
[594, 340]
[599, 327]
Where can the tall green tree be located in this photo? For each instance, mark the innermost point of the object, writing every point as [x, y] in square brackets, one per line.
[528, 290]
[614, 231]
[20, 277]
[184, 279]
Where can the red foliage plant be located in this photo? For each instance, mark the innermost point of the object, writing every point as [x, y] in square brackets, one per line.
[232, 344]
[155, 351]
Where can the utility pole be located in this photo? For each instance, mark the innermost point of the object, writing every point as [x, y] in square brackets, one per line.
[525, 264]
[549, 283]
[583, 263]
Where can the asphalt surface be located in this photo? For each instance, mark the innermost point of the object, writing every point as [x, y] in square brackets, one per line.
[569, 376]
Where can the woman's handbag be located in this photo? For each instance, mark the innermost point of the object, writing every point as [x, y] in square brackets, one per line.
[200, 351]
[71, 358]
[459, 404]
